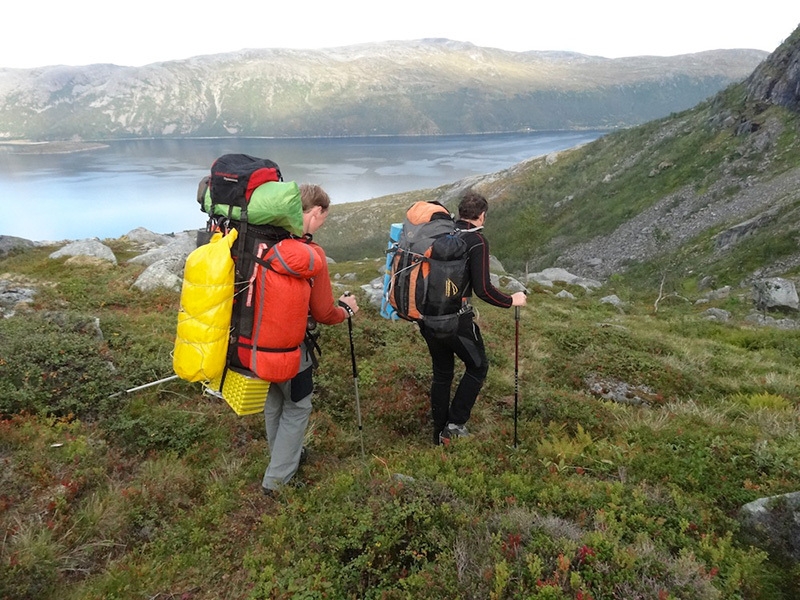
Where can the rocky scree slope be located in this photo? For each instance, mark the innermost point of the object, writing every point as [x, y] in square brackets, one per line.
[755, 185]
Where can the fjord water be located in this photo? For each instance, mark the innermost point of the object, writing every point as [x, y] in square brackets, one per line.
[107, 192]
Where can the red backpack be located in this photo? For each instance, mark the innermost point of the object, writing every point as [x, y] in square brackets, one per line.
[276, 307]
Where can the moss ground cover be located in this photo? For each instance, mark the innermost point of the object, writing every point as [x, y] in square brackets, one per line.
[155, 494]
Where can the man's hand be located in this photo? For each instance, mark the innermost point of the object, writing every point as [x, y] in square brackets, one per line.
[519, 299]
[349, 301]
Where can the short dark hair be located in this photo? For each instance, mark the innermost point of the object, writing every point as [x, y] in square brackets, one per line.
[472, 205]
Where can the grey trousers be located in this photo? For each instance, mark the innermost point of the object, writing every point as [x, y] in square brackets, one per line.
[286, 421]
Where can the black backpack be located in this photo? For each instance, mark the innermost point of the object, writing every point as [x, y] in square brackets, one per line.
[235, 176]
[428, 270]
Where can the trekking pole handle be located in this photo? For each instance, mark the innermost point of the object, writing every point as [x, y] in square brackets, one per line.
[347, 307]
[350, 333]
[516, 308]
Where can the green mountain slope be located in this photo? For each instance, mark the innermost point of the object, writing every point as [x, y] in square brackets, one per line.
[645, 200]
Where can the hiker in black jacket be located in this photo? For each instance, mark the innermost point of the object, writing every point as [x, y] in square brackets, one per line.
[450, 417]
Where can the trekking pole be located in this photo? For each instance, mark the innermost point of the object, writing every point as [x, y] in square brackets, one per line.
[355, 378]
[141, 387]
[516, 370]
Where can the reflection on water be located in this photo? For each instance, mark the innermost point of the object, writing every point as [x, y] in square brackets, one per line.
[152, 183]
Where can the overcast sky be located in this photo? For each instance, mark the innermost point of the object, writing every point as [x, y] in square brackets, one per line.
[38, 33]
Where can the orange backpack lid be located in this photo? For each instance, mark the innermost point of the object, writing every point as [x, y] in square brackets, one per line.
[421, 212]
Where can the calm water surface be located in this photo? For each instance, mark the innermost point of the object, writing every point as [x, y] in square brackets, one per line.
[152, 183]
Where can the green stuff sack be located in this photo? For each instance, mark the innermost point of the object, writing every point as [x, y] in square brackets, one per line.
[204, 319]
[275, 203]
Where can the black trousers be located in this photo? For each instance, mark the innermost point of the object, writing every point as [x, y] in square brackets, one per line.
[468, 346]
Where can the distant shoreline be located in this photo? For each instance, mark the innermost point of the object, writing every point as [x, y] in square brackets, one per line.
[70, 146]
[21, 147]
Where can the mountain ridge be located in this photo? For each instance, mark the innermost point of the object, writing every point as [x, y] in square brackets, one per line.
[420, 87]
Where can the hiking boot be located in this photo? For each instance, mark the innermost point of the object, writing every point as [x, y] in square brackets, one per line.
[303, 455]
[452, 431]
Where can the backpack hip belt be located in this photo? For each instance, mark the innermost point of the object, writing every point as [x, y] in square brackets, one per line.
[466, 307]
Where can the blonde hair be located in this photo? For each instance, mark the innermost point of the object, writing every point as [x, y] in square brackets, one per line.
[313, 195]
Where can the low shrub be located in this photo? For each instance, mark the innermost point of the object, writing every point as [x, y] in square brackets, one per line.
[141, 427]
[53, 364]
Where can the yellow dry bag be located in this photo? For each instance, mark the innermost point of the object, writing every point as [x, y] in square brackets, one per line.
[204, 318]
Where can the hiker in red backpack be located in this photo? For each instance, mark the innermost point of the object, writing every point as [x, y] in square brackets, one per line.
[450, 417]
[288, 406]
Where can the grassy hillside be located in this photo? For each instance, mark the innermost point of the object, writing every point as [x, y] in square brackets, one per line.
[156, 493]
[691, 157]
[647, 201]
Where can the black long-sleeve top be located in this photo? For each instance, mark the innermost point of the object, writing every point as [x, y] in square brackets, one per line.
[478, 265]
